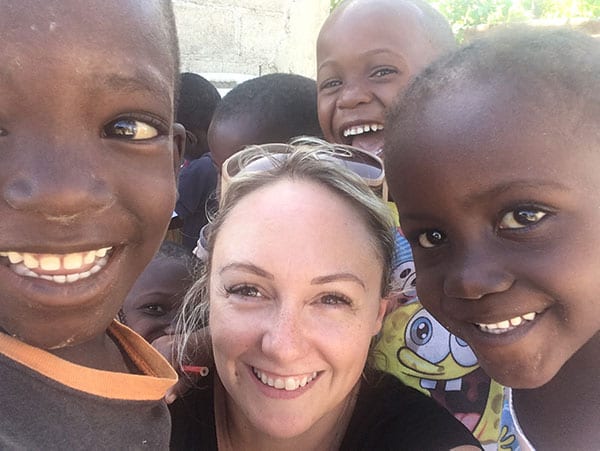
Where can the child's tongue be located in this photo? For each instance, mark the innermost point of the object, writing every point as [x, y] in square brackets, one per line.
[371, 142]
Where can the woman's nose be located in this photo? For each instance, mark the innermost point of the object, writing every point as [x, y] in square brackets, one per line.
[284, 339]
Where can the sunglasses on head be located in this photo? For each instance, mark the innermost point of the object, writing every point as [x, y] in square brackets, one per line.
[364, 164]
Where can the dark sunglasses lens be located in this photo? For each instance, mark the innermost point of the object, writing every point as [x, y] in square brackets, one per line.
[363, 169]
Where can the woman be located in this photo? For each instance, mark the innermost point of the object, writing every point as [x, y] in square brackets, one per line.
[295, 286]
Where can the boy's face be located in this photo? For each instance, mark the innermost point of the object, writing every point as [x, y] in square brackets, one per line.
[153, 302]
[366, 54]
[87, 152]
[501, 205]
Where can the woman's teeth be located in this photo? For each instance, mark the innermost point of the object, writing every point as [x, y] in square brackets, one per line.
[59, 268]
[506, 325]
[290, 383]
[360, 129]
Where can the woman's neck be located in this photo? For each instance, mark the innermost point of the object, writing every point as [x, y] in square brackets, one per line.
[235, 432]
[563, 413]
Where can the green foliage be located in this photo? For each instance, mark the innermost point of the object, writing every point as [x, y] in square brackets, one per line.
[465, 14]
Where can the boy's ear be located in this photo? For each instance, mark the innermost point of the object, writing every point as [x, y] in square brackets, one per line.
[178, 146]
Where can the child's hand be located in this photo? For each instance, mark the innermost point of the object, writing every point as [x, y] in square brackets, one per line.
[191, 374]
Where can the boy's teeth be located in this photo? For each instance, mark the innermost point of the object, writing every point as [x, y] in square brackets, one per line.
[58, 268]
[72, 261]
[50, 263]
[506, 325]
[360, 129]
[284, 383]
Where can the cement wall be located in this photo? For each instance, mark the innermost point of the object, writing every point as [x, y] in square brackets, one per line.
[251, 37]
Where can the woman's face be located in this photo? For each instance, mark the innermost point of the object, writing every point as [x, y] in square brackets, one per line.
[295, 299]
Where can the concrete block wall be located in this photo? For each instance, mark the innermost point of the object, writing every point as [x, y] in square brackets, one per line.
[250, 37]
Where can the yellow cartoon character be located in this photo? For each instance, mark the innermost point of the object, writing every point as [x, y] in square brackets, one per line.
[424, 355]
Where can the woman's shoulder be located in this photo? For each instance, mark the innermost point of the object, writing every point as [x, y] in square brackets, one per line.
[193, 419]
[390, 415]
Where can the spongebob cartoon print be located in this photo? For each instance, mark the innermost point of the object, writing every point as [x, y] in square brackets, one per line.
[419, 351]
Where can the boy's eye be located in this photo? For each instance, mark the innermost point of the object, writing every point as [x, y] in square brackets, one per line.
[520, 218]
[383, 72]
[431, 238]
[130, 129]
[3, 132]
[154, 310]
[330, 84]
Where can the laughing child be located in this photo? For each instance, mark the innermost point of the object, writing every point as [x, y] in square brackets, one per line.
[501, 206]
[89, 155]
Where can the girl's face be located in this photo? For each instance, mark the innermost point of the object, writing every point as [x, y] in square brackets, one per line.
[295, 299]
[502, 208]
[152, 304]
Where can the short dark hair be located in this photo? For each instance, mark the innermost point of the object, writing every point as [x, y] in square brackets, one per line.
[198, 99]
[434, 25]
[284, 106]
[557, 69]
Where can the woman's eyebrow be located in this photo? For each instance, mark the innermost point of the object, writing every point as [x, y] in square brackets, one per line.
[343, 276]
[247, 267]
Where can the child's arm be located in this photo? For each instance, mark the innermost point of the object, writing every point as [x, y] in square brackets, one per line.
[199, 358]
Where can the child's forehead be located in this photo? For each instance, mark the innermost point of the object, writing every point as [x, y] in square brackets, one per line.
[363, 27]
[108, 26]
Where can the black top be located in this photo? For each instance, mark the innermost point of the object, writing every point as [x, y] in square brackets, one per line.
[197, 183]
[388, 416]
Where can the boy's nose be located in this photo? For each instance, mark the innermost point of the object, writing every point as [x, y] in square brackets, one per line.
[353, 94]
[57, 189]
[474, 274]
[283, 339]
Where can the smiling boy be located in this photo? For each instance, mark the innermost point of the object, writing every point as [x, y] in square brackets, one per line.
[508, 256]
[367, 52]
[87, 182]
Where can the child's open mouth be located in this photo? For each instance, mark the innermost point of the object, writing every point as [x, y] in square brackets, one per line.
[58, 268]
[367, 137]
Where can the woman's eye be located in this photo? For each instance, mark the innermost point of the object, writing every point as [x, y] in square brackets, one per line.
[244, 291]
[130, 129]
[334, 299]
[520, 218]
[431, 238]
[154, 310]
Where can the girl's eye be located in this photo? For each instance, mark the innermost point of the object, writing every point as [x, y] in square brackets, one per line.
[520, 218]
[334, 299]
[130, 129]
[431, 238]
[247, 291]
[3, 132]
[154, 310]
